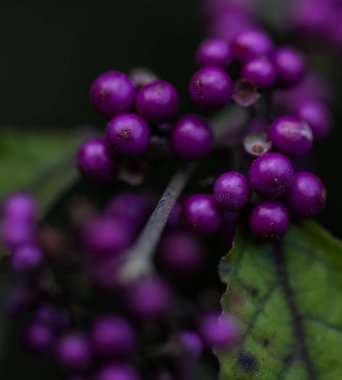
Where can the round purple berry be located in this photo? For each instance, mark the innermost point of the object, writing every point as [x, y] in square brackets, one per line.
[290, 66]
[73, 352]
[220, 332]
[317, 116]
[291, 136]
[128, 135]
[307, 195]
[112, 336]
[16, 234]
[112, 94]
[202, 215]
[214, 52]
[210, 88]
[20, 208]
[117, 372]
[191, 138]
[269, 221]
[231, 191]
[251, 44]
[157, 102]
[40, 337]
[26, 258]
[95, 161]
[271, 175]
[192, 343]
[260, 71]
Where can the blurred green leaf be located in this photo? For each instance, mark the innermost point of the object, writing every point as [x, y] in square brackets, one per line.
[288, 298]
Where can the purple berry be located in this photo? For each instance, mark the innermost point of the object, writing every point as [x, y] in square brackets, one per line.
[149, 299]
[112, 94]
[252, 44]
[231, 191]
[192, 343]
[317, 116]
[260, 71]
[95, 161]
[128, 135]
[58, 319]
[210, 88]
[214, 52]
[180, 253]
[291, 137]
[202, 215]
[271, 175]
[112, 336]
[16, 234]
[290, 65]
[117, 372]
[269, 221]
[73, 352]
[220, 332]
[26, 258]
[192, 138]
[20, 208]
[40, 338]
[157, 102]
[307, 195]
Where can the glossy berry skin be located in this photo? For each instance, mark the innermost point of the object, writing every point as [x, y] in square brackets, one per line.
[214, 52]
[210, 88]
[290, 66]
[307, 195]
[260, 71]
[149, 299]
[26, 258]
[271, 175]
[117, 372]
[157, 102]
[269, 221]
[112, 336]
[251, 44]
[317, 116]
[291, 136]
[180, 253]
[220, 332]
[202, 215]
[112, 94]
[39, 338]
[231, 191]
[191, 138]
[95, 161]
[128, 135]
[73, 352]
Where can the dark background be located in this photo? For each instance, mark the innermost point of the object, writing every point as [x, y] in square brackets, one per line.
[51, 51]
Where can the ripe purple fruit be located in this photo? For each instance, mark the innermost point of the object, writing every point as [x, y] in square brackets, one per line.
[73, 352]
[26, 258]
[157, 102]
[117, 372]
[191, 138]
[210, 88]
[95, 161]
[202, 215]
[214, 52]
[291, 136]
[112, 94]
[231, 191]
[290, 65]
[128, 135]
[251, 44]
[192, 343]
[260, 71]
[40, 338]
[269, 221]
[20, 208]
[271, 175]
[307, 195]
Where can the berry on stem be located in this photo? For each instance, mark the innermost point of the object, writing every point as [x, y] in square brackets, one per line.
[40, 338]
[290, 65]
[214, 52]
[73, 352]
[26, 258]
[250, 44]
[260, 71]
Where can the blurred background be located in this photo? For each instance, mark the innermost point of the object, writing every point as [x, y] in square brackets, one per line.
[51, 52]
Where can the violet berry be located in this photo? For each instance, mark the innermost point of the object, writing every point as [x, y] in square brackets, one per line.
[26, 258]
[260, 71]
[307, 195]
[21, 208]
[210, 88]
[191, 138]
[251, 44]
[214, 52]
[231, 191]
[202, 215]
[73, 352]
[128, 135]
[95, 161]
[39, 337]
[112, 94]
[269, 221]
[291, 136]
[192, 343]
[117, 372]
[271, 175]
[290, 65]
[157, 102]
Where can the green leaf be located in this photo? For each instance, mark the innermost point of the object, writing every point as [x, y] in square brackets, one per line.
[288, 298]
